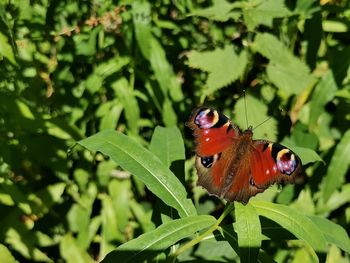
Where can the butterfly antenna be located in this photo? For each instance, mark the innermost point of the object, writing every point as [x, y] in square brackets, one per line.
[245, 109]
[262, 123]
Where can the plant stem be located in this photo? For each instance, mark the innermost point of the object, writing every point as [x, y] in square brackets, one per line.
[198, 239]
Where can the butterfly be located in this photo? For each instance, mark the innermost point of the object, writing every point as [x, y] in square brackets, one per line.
[233, 166]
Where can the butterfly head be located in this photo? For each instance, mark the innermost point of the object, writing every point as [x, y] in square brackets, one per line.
[248, 132]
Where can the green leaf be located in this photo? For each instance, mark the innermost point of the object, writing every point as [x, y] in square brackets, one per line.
[263, 12]
[71, 251]
[306, 155]
[248, 229]
[337, 168]
[333, 233]
[141, 11]
[221, 10]
[126, 95]
[146, 245]
[109, 233]
[143, 164]
[5, 255]
[48, 196]
[298, 224]
[256, 113]
[224, 66]
[110, 114]
[153, 51]
[168, 113]
[337, 26]
[6, 49]
[120, 192]
[167, 144]
[164, 72]
[95, 81]
[85, 44]
[337, 199]
[323, 93]
[286, 71]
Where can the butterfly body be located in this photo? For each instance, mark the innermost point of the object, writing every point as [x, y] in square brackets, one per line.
[232, 165]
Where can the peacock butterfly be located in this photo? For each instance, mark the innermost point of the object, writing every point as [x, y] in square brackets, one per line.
[233, 166]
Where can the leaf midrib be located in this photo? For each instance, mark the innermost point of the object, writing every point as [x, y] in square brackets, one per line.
[136, 160]
[168, 234]
[290, 219]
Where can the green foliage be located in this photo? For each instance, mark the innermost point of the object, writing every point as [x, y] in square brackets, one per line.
[95, 158]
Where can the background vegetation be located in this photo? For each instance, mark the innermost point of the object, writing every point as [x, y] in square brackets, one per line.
[70, 69]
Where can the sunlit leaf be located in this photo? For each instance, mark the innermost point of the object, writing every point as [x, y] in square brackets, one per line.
[224, 66]
[143, 164]
[298, 224]
[221, 10]
[131, 108]
[256, 113]
[6, 49]
[248, 229]
[323, 93]
[338, 167]
[334, 233]
[146, 245]
[71, 252]
[286, 71]
[5, 255]
[168, 145]
[263, 13]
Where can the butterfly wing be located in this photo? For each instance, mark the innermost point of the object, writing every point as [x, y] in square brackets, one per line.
[231, 165]
[272, 163]
[212, 130]
[214, 136]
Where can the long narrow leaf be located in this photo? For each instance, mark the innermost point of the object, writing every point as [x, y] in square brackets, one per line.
[168, 145]
[248, 229]
[145, 165]
[298, 224]
[147, 245]
[338, 167]
[334, 233]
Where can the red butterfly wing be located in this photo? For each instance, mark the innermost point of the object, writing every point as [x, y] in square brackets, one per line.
[272, 163]
[233, 166]
[212, 130]
[214, 135]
